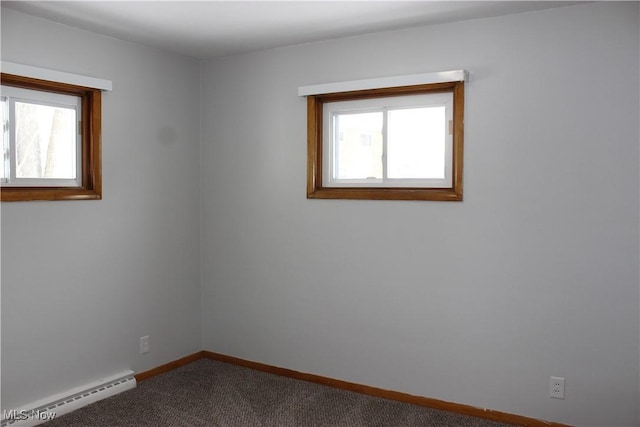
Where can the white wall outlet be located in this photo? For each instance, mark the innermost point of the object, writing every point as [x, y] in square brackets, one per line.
[556, 387]
[144, 344]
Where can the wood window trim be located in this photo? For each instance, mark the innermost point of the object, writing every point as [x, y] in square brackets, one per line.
[315, 188]
[91, 132]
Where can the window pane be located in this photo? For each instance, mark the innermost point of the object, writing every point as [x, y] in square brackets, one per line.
[45, 141]
[416, 143]
[358, 146]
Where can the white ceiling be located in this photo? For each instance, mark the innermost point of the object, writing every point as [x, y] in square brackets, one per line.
[205, 29]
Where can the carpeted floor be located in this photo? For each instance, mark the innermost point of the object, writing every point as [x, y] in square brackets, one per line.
[210, 393]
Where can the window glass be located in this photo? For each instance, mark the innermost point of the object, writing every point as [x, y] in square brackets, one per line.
[416, 143]
[389, 142]
[45, 141]
[357, 146]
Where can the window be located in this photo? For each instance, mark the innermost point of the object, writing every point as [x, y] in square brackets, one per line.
[394, 143]
[51, 140]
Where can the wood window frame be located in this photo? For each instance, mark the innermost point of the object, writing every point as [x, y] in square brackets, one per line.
[315, 187]
[91, 129]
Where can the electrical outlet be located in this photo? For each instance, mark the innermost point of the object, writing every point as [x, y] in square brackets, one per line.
[144, 344]
[556, 387]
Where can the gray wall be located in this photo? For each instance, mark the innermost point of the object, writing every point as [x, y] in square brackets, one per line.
[82, 281]
[534, 274]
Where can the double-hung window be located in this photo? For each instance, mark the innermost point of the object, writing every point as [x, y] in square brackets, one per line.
[51, 139]
[398, 142]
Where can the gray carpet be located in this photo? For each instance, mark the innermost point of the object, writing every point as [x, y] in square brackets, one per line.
[210, 393]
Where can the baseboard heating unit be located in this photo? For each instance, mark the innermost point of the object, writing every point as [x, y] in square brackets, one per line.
[62, 403]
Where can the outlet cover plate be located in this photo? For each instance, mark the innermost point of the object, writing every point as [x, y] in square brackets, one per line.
[556, 387]
[144, 344]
